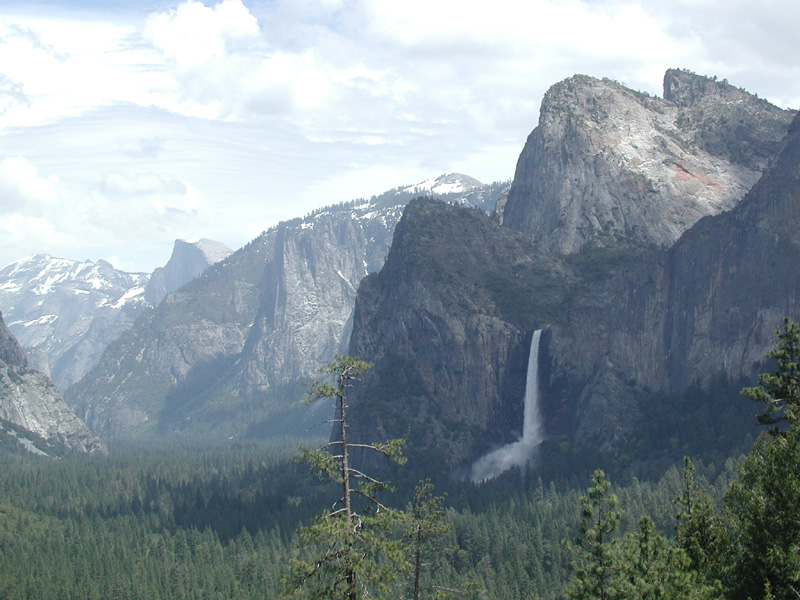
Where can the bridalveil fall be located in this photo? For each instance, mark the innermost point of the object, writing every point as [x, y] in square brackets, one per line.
[520, 452]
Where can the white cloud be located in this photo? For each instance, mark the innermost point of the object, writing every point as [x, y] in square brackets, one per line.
[23, 190]
[42, 213]
[127, 186]
[218, 118]
[194, 35]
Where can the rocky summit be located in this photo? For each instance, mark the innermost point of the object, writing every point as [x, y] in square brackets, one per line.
[687, 328]
[606, 161]
[65, 312]
[189, 259]
[646, 340]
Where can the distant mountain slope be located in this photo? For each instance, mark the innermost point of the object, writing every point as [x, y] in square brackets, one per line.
[32, 413]
[606, 161]
[65, 312]
[226, 353]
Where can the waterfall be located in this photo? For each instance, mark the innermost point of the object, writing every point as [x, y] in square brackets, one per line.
[520, 452]
[532, 423]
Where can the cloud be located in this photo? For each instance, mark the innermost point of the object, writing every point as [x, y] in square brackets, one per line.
[127, 186]
[24, 191]
[43, 213]
[219, 118]
[194, 35]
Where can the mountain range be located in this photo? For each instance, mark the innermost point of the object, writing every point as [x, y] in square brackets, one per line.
[651, 239]
[65, 312]
[646, 341]
[33, 416]
[226, 354]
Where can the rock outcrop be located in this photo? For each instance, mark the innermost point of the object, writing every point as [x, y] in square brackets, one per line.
[195, 331]
[608, 162]
[65, 312]
[698, 315]
[644, 349]
[30, 404]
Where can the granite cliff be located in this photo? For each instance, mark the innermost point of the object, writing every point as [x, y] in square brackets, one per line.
[606, 162]
[188, 260]
[447, 324]
[65, 312]
[694, 321]
[648, 337]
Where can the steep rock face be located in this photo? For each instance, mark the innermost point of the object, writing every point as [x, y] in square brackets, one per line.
[225, 353]
[447, 323]
[66, 312]
[308, 294]
[701, 313]
[188, 260]
[30, 401]
[606, 161]
[644, 351]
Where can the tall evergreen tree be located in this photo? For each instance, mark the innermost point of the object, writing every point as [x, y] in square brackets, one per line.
[764, 505]
[699, 530]
[594, 576]
[354, 553]
[779, 390]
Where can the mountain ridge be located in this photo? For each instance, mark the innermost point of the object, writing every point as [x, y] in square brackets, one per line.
[65, 312]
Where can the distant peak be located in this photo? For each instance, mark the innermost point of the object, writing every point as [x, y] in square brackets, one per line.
[448, 183]
[214, 251]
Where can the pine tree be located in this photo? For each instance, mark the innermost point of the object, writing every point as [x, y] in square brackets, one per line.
[651, 567]
[354, 551]
[425, 529]
[699, 530]
[594, 576]
[780, 390]
[764, 505]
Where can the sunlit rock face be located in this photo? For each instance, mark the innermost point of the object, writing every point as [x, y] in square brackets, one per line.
[638, 324]
[30, 401]
[608, 162]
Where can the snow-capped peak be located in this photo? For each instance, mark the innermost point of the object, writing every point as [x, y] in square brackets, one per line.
[449, 183]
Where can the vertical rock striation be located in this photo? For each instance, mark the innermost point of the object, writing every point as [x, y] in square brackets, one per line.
[447, 323]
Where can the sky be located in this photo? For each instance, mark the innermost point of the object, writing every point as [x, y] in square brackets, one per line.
[127, 125]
